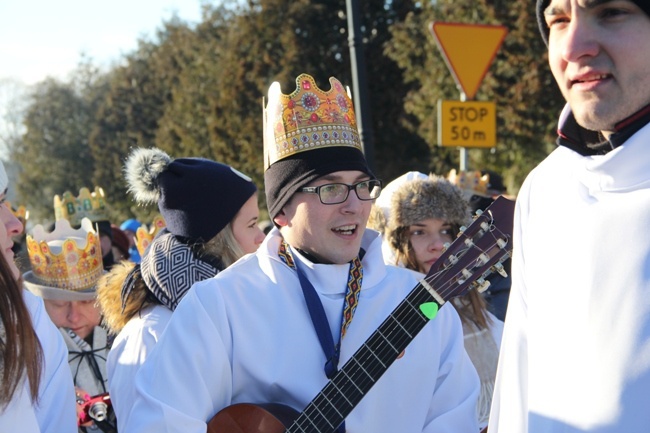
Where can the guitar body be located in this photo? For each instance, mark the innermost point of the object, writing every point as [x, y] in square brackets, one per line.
[253, 418]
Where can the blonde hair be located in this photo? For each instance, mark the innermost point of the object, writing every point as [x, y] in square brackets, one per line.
[224, 246]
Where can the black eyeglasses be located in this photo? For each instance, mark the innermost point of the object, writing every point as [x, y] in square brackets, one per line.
[335, 193]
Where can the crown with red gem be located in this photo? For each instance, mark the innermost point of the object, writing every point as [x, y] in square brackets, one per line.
[91, 205]
[307, 119]
[471, 182]
[66, 258]
[144, 236]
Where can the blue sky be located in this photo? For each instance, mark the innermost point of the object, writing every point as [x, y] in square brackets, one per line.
[40, 38]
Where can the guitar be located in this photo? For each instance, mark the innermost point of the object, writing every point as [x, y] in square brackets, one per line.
[479, 250]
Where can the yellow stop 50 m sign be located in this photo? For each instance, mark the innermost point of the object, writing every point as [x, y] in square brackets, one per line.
[467, 124]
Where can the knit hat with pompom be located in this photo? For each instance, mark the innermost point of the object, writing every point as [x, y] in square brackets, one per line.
[196, 196]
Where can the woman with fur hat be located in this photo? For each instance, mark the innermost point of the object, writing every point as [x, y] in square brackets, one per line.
[425, 214]
[211, 214]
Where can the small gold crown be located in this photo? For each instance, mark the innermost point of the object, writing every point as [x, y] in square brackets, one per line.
[144, 236]
[470, 181]
[20, 212]
[66, 258]
[307, 119]
[86, 205]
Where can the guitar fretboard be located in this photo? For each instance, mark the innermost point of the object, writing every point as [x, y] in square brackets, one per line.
[346, 389]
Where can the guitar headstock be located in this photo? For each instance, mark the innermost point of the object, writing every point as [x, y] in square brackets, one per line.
[479, 250]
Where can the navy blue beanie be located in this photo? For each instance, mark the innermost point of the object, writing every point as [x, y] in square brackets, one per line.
[197, 197]
[543, 4]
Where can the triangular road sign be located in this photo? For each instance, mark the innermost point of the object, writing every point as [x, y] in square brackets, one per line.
[468, 50]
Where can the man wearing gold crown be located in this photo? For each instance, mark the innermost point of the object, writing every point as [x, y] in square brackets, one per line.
[275, 325]
[66, 265]
[27, 407]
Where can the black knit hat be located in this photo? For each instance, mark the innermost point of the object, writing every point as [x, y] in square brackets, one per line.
[543, 4]
[307, 134]
[288, 175]
[197, 197]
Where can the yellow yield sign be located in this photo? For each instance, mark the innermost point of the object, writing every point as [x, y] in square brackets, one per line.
[468, 50]
[467, 124]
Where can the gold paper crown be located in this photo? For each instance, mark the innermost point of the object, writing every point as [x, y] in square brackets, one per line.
[86, 205]
[66, 258]
[471, 182]
[307, 119]
[20, 212]
[144, 236]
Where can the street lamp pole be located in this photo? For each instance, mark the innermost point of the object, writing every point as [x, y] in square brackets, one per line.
[359, 82]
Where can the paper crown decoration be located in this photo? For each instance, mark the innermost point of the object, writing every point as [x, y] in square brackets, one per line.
[307, 119]
[144, 236]
[471, 182]
[20, 212]
[86, 205]
[66, 258]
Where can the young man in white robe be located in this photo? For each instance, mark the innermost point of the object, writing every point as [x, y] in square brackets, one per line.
[246, 336]
[574, 355]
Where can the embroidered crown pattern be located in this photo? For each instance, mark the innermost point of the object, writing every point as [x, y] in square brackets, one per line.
[308, 118]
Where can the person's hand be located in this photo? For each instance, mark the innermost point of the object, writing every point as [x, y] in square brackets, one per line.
[81, 396]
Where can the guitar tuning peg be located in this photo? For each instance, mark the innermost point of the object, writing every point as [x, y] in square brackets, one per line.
[478, 212]
[481, 284]
[462, 229]
[498, 267]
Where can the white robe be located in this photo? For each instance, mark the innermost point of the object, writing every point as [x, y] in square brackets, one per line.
[130, 349]
[55, 412]
[246, 336]
[575, 355]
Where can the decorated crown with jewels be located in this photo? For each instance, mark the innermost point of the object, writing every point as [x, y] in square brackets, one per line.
[471, 182]
[144, 236]
[91, 205]
[66, 258]
[307, 119]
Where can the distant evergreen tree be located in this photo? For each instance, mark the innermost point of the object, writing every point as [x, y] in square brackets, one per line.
[53, 154]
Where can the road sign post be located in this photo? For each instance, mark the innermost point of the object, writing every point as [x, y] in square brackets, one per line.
[468, 50]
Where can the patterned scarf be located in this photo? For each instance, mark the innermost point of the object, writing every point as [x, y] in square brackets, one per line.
[170, 267]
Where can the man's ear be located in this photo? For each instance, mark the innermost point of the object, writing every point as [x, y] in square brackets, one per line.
[281, 219]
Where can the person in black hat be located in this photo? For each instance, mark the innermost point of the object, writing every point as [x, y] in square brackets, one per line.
[247, 335]
[211, 214]
[577, 329]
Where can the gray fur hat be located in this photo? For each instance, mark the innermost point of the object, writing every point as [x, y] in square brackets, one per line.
[434, 197]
